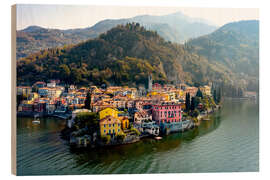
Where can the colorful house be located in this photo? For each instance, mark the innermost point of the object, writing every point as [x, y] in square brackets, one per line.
[110, 126]
[167, 112]
[108, 112]
[24, 90]
[124, 122]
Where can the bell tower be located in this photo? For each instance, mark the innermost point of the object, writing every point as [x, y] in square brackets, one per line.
[150, 82]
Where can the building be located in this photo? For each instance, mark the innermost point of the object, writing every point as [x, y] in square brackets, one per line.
[39, 84]
[108, 112]
[101, 105]
[50, 92]
[24, 90]
[150, 82]
[109, 125]
[142, 116]
[124, 122]
[167, 112]
[206, 90]
[191, 90]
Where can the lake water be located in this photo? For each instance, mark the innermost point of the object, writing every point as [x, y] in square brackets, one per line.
[229, 142]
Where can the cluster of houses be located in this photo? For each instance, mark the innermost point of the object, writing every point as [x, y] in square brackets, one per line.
[119, 108]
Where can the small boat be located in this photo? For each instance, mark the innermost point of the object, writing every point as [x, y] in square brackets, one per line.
[158, 138]
[36, 119]
[206, 119]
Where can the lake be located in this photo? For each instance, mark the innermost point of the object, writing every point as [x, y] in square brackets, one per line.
[229, 142]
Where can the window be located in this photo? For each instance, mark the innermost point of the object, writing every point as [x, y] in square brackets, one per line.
[113, 125]
[118, 130]
[105, 131]
[104, 125]
[109, 131]
[109, 125]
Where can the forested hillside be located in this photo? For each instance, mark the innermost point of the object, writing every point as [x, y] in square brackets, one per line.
[236, 47]
[125, 55]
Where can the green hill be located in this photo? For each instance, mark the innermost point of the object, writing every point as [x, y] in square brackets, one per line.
[124, 55]
[236, 47]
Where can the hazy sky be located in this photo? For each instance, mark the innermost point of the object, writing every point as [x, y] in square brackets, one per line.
[70, 16]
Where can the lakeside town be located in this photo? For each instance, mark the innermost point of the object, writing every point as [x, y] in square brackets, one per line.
[117, 115]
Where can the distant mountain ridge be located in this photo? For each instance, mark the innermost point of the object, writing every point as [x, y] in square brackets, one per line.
[234, 45]
[173, 27]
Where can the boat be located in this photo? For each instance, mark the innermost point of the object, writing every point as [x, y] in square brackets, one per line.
[158, 138]
[36, 119]
[206, 119]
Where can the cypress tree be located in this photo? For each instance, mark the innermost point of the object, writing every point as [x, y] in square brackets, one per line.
[192, 106]
[187, 102]
[215, 95]
[87, 103]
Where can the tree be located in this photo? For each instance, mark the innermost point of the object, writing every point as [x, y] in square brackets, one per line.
[215, 95]
[218, 95]
[192, 106]
[106, 139]
[87, 119]
[240, 92]
[199, 93]
[64, 72]
[87, 103]
[187, 102]
[121, 136]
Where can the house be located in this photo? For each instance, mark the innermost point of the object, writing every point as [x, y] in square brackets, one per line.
[206, 90]
[124, 122]
[108, 112]
[26, 106]
[24, 90]
[167, 112]
[109, 125]
[39, 84]
[51, 85]
[192, 91]
[142, 116]
[101, 105]
[50, 92]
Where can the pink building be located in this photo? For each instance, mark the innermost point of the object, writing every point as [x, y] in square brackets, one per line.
[167, 112]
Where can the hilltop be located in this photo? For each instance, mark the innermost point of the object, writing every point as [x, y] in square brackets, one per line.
[124, 55]
[173, 27]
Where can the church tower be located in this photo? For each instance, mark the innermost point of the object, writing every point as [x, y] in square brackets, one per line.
[150, 83]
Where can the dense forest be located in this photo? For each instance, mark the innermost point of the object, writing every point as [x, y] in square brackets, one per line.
[124, 55]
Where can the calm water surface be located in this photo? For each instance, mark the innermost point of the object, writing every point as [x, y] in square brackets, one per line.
[229, 142]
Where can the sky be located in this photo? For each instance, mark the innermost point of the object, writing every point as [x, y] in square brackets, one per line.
[72, 16]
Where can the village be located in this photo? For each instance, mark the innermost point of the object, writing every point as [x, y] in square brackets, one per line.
[116, 115]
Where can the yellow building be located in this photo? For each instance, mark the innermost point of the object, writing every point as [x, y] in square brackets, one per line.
[124, 122]
[108, 112]
[109, 126]
[206, 90]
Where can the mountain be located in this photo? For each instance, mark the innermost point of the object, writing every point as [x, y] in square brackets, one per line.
[124, 55]
[173, 27]
[235, 46]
